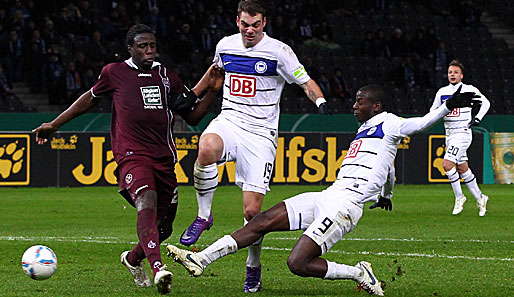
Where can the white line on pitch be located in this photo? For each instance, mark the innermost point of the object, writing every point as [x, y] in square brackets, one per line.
[406, 239]
[114, 240]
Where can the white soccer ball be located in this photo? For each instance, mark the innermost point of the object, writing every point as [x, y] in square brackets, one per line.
[39, 262]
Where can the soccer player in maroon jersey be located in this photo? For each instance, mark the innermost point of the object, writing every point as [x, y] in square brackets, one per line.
[145, 99]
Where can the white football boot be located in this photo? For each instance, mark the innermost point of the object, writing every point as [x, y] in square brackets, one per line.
[162, 280]
[482, 205]
[369, 282]
[459, 205]
[190, 260]
[138, 272]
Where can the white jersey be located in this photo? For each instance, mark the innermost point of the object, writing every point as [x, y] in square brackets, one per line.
[366, 166]
[459, 118]
[255, 78]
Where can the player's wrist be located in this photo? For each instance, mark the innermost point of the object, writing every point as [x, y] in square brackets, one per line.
[320, 101]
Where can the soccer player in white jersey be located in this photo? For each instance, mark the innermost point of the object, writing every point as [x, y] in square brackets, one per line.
[457, 126]
[256, 69]
[328, 215]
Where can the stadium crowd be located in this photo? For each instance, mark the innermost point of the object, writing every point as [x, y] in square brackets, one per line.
[58, 47]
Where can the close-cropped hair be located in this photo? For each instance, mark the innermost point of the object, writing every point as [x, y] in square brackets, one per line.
[458, 64]
[252, 7]
[376, 93]
[135, 30]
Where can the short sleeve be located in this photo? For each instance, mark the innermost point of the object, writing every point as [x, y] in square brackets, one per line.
[217, 56]
[103, 85]
[290, 68]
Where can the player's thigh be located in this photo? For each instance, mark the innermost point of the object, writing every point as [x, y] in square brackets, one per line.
[457, 146]
[136, 176]
[301, 209]
[254, 162]
[334, 217]
[227, 132]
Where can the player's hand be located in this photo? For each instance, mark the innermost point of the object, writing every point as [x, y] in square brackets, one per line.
[475, 122]
[183, 102]
[43, 132]
[466, 99]
[383, 203]
[216, 77]
[323, 108]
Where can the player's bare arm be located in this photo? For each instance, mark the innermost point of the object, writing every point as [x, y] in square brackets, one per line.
[211, 82]
[314, 93]
[84, 103]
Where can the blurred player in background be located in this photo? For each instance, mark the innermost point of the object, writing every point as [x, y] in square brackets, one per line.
[328, 215]
[246, 131]
[145, 94]
[457, 126]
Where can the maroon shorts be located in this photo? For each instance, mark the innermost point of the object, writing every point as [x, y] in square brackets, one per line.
[137, 174]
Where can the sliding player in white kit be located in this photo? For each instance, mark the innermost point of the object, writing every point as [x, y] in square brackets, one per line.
[246, 131]
[457, 126]
[328, 215]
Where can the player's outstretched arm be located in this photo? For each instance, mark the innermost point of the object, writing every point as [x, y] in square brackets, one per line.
[457, 100]
[313, 91]
[84, 103]
[210, 83]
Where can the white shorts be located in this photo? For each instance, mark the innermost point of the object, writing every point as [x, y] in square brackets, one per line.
[254, 154]
[457, 144]
[325, 216]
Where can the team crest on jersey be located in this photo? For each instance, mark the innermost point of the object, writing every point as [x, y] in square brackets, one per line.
[151, 97]
[128, 178]
[261, 67]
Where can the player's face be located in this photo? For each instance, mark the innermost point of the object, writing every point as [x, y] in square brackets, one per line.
[251, 28]
[455, 75]
[143, 51]
[364, 108]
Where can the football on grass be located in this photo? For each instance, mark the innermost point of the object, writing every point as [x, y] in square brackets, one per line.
[39, 262]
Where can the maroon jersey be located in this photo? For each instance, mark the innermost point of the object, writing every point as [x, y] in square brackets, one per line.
[141, 122]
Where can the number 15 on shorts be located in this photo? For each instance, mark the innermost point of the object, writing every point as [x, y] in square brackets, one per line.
[268, 169]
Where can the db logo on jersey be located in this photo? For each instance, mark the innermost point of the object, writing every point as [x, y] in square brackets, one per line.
[354, 149]
[455, 113]
[243, 86]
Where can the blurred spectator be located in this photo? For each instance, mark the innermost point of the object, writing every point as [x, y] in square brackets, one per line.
[90, 78]
[431, 41]
[324, 31]
[422, 75]
[368, 45]
[98, 50]
[440, 7]
[324, 84]
[404, 74]
[305, 29]
[441, 60]
[469, 13]
[14, 57]
[156, 22]
[339, 86]
[17, 21]
[397, 44]
[310, 67]
[18, 6]
[382, 44]
[205, 42]
[50, 34]
[53, 77]
[35, 60]
[73, 83]
[418, 46]
[5, 85]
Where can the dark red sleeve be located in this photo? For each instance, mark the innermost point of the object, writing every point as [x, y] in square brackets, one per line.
[176, 84]
[103, 84]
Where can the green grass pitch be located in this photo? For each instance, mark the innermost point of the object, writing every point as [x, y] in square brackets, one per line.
[418, 249]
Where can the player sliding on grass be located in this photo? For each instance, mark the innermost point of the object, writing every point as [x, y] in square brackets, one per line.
[328, 215]
[144, 96]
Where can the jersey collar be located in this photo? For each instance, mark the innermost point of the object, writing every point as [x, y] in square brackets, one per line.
[133, 65]
[377, 119]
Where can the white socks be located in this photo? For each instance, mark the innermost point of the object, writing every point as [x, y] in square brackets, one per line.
[220, 248]
[205, 181]
[471, 182]
[342, 271]
[454, 178]
[254, 252]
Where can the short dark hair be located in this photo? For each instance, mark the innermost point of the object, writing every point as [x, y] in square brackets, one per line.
[458, 64]
[135, 30]
[252, 7]
[376, 93]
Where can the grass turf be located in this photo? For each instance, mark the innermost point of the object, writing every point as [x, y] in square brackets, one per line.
[418, 249]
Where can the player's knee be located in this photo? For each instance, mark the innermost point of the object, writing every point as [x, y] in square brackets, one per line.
[148, 199]
[448, 165]
[296, 265]
[209, 152]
